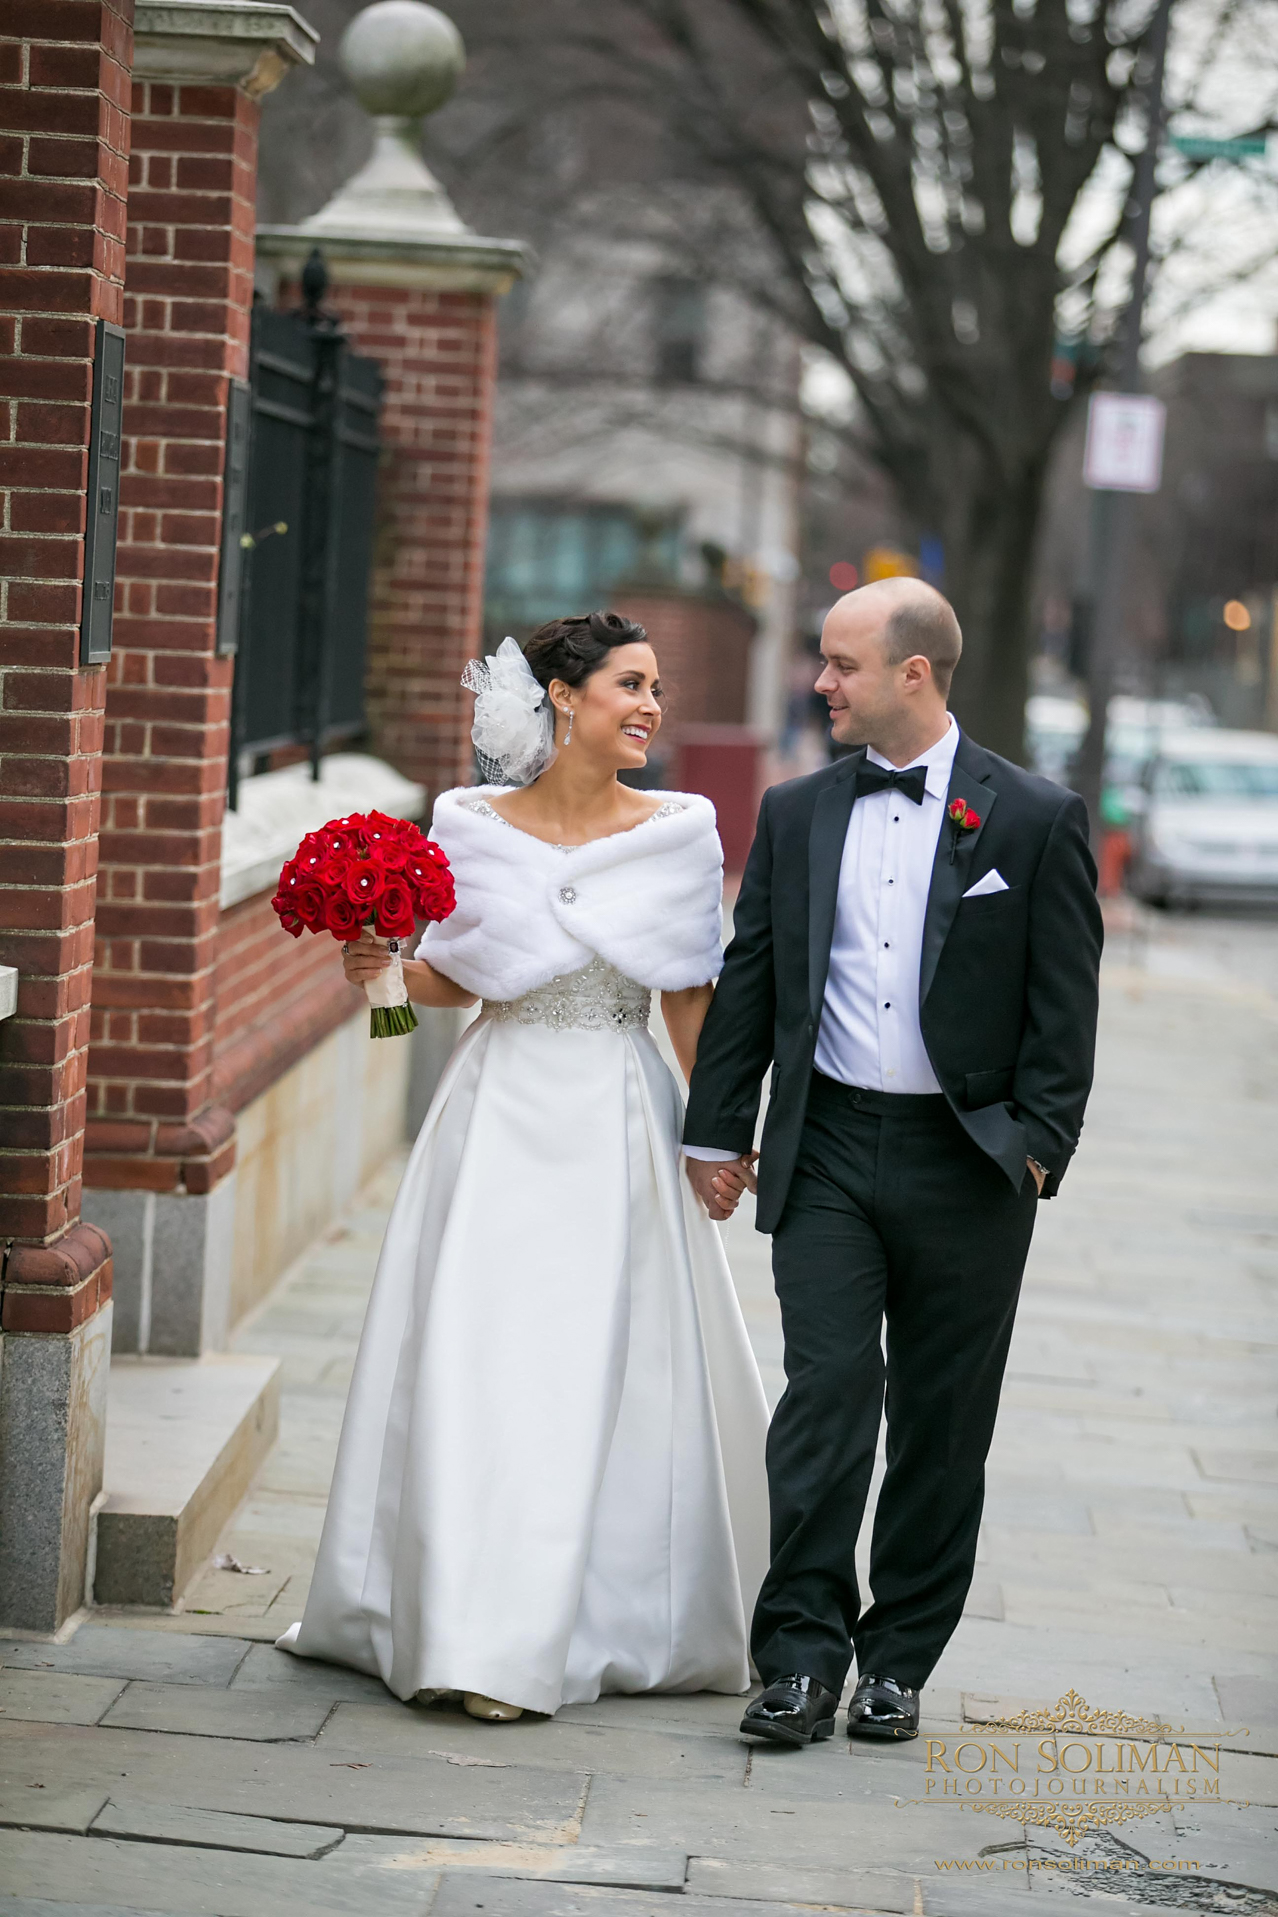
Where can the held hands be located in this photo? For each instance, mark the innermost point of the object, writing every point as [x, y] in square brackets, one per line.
[719, 1187]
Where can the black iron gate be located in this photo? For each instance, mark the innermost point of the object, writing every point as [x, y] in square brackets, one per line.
[301, 622]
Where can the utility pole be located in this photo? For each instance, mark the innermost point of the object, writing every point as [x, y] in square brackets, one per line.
[1111, 511]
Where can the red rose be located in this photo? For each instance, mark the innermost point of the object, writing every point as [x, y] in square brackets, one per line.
[332, 873]
[431, 879]
[395, 910]
[387, 851]
[339, 845]
[306, 901]
[956, 810]
[282, 906]
[435, 901]
[391, 854]
[364, 881]
[971, 821]
[342, 917]
[400, 831]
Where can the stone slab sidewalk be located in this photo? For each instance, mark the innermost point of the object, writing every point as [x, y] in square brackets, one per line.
[178, 1763]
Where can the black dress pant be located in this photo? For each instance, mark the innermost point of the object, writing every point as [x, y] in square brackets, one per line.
[893, 1215]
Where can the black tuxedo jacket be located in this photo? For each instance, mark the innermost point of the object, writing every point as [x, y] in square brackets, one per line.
[1007, 983]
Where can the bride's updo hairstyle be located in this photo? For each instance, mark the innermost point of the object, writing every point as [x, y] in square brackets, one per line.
[572, 649]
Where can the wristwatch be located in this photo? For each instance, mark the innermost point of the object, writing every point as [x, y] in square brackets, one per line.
[1037, 1166]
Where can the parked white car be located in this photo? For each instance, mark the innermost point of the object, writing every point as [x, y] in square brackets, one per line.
[1055, 724]
[1210, 824]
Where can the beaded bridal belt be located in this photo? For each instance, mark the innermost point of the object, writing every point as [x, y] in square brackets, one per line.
[598, 998]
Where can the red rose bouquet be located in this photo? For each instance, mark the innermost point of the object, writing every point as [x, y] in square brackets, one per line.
[368, 876]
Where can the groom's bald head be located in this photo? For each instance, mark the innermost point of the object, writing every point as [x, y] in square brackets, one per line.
[914, 621]
[890, 650]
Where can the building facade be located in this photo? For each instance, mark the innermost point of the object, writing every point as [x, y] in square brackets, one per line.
[188, 1097]
[648, 436]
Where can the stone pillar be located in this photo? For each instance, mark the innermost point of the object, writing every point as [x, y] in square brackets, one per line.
[64, 142]
[417, 290]
[159, 1153]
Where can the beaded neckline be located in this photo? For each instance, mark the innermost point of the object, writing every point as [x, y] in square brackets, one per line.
[487, 811]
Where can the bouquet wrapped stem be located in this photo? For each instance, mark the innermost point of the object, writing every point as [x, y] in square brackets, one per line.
[392, 1014]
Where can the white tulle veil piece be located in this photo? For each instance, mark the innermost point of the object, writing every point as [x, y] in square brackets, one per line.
[514, 729]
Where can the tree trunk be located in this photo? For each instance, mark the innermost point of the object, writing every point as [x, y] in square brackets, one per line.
[989, 527]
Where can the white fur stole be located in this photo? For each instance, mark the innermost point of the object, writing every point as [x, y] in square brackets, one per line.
[649, 901]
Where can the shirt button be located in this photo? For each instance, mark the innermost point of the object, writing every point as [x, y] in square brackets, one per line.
[567, 895]
[887, 1005]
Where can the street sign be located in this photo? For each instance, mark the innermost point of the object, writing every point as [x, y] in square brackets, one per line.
[1194, 148]
[1124, 450]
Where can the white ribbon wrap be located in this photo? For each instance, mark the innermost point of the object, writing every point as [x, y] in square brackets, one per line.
[388, 988]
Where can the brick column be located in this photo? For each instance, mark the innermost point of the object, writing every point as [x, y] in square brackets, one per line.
[438, 351]
[437, 348]
[159, 1154]
[416, 290]
[64, 140]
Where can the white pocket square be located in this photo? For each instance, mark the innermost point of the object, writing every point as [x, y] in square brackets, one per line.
[992, 882]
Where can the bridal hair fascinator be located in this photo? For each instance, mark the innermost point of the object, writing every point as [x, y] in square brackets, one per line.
[514, 729]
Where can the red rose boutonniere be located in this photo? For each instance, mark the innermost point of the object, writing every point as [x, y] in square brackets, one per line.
[962, 819]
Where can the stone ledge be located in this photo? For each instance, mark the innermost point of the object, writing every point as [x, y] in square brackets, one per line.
[245, 45]
[463, 263]
[276, 809]
[185, 1438]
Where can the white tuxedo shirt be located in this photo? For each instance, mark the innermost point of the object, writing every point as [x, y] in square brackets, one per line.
[870, 1034]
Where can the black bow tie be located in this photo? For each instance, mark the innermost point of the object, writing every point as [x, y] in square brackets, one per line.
[912, 783]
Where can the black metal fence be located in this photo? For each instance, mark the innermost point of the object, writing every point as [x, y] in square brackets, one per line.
[300, 619]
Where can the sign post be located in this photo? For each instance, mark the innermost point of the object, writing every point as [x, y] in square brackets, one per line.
[1124, 452]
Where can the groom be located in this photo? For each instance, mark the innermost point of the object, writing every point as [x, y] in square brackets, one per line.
[916, 956]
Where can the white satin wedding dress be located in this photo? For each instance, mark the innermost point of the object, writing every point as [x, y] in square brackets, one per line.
[550, 1482]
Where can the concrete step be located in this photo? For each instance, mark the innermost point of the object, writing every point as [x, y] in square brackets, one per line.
[184, 1439]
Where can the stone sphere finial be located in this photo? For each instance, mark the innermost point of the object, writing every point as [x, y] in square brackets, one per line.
[402, 58]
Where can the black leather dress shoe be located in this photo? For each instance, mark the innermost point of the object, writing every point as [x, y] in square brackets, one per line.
[881, 1707]
[792, 1710]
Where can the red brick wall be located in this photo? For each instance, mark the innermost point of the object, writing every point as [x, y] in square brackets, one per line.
[189, 292]
[277, 997]
[64, 141]
[702, 645]
[437, 351]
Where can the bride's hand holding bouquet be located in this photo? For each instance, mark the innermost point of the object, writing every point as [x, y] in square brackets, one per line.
[366, 879]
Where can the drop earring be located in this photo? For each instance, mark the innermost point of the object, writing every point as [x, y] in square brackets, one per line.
[571, 716]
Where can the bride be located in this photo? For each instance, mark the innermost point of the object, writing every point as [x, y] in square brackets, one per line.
[550, 1482]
